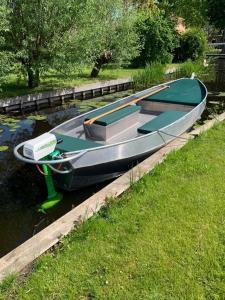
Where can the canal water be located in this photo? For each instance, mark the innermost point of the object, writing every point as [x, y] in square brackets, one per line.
[22, 187]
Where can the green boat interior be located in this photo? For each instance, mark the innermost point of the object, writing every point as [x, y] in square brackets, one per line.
[150, 114]
[161, 121]
[68, 143]
[186, 92]
[115, 116]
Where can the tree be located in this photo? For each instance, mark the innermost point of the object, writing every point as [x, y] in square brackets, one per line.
[5, 58]
[119, 41]
[141, 4]
[193, 45]
[216, 13]
[193, 11]
[105, 33]
[61, 33]
[35, 32]
[158, 37]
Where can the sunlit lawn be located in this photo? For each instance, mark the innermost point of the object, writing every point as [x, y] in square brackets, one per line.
[14, 86]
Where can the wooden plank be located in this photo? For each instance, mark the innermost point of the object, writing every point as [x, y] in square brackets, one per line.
[20, 257]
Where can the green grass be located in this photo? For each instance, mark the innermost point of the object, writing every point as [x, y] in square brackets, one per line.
[155, 73]
[189, 67]
[204, 73]
[14, 86]
[164, 239]
[151, 74]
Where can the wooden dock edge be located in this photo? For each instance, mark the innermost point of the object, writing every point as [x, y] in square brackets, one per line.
[16, 260]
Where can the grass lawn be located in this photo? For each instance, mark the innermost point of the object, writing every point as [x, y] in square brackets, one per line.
[164, 240]
[13, 86]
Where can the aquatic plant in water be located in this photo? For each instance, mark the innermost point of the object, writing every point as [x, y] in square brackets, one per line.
[87, 105]
[37, 117]
[10, 122]
[3, 148]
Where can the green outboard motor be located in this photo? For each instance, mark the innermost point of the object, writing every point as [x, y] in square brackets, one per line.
[43, 147]
[53, 196]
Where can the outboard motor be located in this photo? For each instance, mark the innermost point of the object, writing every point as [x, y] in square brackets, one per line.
[39, 148]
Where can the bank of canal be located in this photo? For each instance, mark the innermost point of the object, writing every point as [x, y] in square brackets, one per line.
[22, 187]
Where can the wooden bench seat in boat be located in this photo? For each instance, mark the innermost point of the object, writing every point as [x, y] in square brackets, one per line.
[161, 121]
[69, 143]
[182, 95]
[112, 124]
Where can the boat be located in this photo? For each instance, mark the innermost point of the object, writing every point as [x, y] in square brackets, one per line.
[104, 143]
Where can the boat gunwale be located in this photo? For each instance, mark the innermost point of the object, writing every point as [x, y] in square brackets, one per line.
[138, 137]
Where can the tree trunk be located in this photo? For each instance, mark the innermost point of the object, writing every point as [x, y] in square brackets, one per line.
[105, 58]
[95, 71]
[33, 77]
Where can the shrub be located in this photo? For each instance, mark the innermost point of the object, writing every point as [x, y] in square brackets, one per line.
[189, 67]
[151, 74]
[193, 45]
[205, 73]
[158, 39]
